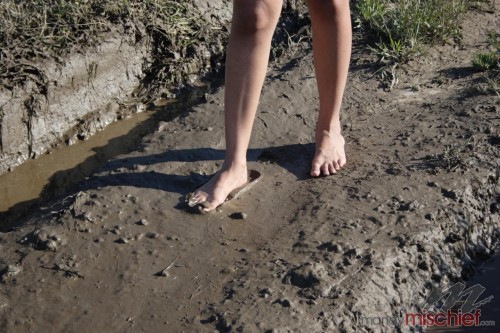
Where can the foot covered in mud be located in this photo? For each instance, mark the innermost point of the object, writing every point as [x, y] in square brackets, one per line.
[225, 185]
[330, 154]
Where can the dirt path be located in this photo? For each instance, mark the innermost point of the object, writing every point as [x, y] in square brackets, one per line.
[413, 208]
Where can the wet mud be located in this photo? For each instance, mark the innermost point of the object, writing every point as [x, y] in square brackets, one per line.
[416, 207]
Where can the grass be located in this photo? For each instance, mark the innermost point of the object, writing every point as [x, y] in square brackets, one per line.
[488, 62]
[402, 29]
[175, 30]
[51, 29]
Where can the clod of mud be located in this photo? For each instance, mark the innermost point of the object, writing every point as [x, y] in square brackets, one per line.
[8, 272]
[69, 270]
[44, 238]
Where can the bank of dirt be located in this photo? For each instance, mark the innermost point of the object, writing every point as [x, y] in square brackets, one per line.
[48, 101]
[415, 207]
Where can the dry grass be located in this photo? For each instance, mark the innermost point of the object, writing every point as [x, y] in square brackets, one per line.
[41, 29]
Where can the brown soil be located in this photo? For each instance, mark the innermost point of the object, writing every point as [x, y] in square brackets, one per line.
[416, 204]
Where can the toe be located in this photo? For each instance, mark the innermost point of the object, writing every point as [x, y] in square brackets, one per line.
[315, 170]
[211, 206]
[332, 168]
[325, 169]
[199, 196]
[342, 161]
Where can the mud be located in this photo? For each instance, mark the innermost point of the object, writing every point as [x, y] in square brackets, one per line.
[28, 181]
[62, 101]
[77, 100]
[416, 207]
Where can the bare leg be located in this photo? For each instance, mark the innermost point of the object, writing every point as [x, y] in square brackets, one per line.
[332, 38]
[248, 51]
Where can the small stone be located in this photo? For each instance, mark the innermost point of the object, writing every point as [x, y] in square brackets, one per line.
[115, 231]
[163, 273]
[265, 292]
[143, 222]
[153, 235]
[51, 245]
[121, 240]
[238, 216]
[433, 184]
[284, 302]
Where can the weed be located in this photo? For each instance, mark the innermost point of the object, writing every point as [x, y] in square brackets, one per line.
[453, 157]
[489, 63]
[493, 39]
[401, 28]
[50, 29]
[482, 5]
[486, 60]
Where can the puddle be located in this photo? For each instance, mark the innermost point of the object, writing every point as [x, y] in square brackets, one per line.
[35, 181]
[27, 181]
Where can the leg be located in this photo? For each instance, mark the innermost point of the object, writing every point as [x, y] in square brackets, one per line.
[248, 51]
[332, 37]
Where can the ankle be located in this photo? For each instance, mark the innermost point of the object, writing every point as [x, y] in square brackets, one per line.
[230, 164]
[331, 129]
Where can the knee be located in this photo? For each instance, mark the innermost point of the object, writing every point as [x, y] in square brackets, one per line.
[255, 17]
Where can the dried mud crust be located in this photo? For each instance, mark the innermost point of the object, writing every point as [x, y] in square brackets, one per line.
[416, 206]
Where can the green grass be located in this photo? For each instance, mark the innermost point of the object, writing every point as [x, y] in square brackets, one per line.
[488, 62]
[402, 28]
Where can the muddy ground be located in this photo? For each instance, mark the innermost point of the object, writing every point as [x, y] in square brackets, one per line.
[415, 207]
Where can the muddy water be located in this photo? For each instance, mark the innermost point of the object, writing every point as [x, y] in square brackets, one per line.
[28, 181]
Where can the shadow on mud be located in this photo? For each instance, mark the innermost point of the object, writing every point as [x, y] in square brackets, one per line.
[285, 156]
[61, 183]
[65, 183]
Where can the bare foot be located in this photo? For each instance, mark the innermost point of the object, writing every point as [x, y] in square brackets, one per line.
[330, 154]
[216, 190]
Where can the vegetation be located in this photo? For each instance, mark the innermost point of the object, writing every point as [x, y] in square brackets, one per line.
[402, 29]
[485, 60]
[31, 30]
[488, 62]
